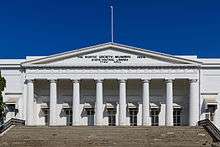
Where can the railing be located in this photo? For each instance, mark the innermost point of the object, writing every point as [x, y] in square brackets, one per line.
[211, 129]
[8, 124]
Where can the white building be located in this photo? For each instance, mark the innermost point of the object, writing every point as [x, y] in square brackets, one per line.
[112, 84]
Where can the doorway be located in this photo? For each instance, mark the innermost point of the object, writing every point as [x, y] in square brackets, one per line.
[154, 117]
[177, 117]
[46, 112]
[90, 115]
[69, 117]
[111, 117]
[133, 116]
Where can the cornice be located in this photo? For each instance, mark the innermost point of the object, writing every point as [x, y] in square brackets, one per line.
[115, 67]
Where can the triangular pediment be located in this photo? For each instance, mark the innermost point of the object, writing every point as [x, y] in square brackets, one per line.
[109, 54]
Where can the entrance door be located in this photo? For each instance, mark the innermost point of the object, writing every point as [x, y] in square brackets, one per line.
[69, 117]
[133, 117]
[47, 116]
[154, 117]
[177, 117]
[90, 115]
[111, 117]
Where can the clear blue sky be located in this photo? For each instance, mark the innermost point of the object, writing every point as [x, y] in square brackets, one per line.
[44, 27]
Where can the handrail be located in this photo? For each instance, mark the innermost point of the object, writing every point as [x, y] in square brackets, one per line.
[211, 129]
[8, 124]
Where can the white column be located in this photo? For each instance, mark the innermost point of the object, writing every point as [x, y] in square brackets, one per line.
[146, 119]
[53, 101]
[24, 98]
[122, 102]
[169, 103]
[76, 103]
[99, 103]
[30, 102]
[194, 102]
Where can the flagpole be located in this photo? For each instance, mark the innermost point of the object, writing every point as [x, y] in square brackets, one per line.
[112, 24]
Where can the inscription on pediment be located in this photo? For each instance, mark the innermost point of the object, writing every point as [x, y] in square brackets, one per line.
[109, 58]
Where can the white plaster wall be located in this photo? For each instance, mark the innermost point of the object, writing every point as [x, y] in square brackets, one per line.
[162, 115]
[13, 90]
[13, 80]
[210, 83]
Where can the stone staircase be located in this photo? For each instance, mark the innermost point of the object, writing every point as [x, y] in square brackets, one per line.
[21, 136]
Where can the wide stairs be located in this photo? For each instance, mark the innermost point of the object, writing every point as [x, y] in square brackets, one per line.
[22, 136]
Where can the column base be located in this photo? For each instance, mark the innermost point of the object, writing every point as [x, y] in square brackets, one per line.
[193, 124]
[148, 122]
[53, 125]
[169, 124]
[75, 124]
[99, 125]
[123, 124]
[98, 122]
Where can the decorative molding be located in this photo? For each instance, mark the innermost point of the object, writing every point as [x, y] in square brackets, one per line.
[53, 80]
[169, 80]
[30, 81]
[122, 80]
[75, 80]
[193, 80]
[113, 71]
[146, 66]
[99, 80]
[146, 80]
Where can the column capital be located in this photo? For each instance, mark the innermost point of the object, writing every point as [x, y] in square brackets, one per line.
[75, 80]
[53, 80]
[122, 80]
[29, 80]
[169, 80]
[99, 80]
[193, 80]
[146, 80]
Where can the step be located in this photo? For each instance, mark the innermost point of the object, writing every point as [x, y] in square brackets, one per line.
[106, 136]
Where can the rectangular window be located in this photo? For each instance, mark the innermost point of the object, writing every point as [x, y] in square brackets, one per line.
[47, 116]
[90, 116]
[69, 117]
[133, 116]
[210, 112]
[154, 117]
[177, 117]
[11, 107]
[111, 117]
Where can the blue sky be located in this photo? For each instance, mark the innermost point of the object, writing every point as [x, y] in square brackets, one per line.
[44, 27]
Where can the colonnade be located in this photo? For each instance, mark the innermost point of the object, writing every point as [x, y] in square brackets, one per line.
[146, 119]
